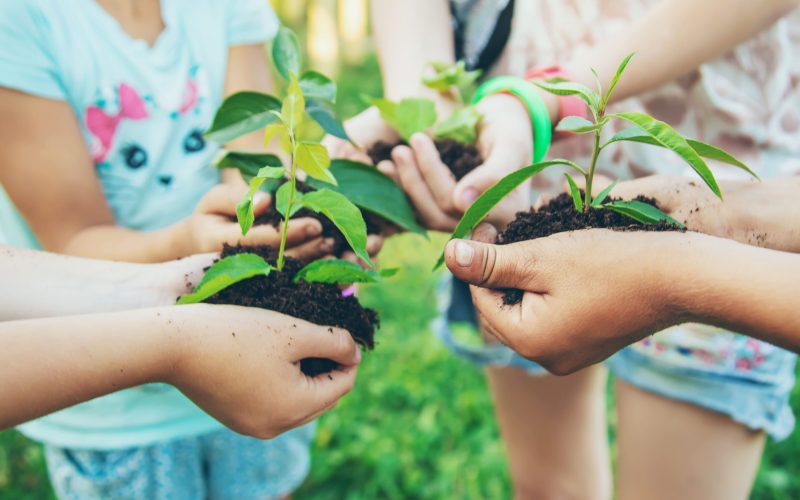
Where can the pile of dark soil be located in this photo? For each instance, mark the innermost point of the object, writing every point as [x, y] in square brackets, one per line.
[460, 158]
[317, 303]
[272, 217]
[560, 216]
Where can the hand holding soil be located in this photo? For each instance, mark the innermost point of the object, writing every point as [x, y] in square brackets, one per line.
[242, 365]
[213, 224]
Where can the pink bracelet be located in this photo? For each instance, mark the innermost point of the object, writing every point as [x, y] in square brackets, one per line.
[568, 105]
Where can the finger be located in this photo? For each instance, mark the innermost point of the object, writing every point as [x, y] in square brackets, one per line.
[326, 342]
[485, 233]
[299, 231]
[318, 248]
[388, 168]
[494, 266]
[222, 199]
[261, 203]
[438, 177]
[414, 185]
[374, 244]
[500, 163]
[543, 200]
[497, 318]
[325, 391]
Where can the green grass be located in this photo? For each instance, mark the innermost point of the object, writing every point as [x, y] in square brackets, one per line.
[420, 422]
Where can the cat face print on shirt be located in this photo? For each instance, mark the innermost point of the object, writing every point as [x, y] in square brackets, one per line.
[144, 146]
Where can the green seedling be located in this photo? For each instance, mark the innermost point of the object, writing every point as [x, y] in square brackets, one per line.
[646, 130]
[309, 95]
[416, 115]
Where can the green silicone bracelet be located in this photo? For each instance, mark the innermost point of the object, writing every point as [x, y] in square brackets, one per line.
[540, 116]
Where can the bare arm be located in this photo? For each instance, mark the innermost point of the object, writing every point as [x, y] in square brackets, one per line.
[673, 38]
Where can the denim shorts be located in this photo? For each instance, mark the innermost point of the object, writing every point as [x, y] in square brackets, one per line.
[219, 465]
[748, 380]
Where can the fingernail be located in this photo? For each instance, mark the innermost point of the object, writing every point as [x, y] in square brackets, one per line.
[469, 196]
[259, 197]
[327, 245]
[464, 254]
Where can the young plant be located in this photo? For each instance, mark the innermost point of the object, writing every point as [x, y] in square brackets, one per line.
[413, 115]
[311, 94]
[646, 130]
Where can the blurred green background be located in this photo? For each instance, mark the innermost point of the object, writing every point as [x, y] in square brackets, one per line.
[420, 422]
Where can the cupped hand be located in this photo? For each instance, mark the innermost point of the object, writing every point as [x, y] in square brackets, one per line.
[365, 129]
[242, 366]
[214, 224]
[504, 140]
[586, 294]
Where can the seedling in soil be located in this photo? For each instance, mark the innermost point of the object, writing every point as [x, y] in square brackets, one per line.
[591, 210]
[265, 277]
[455, 136]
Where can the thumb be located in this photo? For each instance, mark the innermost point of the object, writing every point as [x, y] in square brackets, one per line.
[326, 342]
[491, 266]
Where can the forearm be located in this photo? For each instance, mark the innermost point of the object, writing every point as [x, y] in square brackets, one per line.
[37, 284]
[674, 38]
[111, 242]
[740, 287]
[50, 364]
[409, 35]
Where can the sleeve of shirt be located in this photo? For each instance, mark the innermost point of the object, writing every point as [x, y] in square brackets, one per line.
[27, 61]
[250, 22]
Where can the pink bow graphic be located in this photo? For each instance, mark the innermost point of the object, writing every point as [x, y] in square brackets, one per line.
[104, 126]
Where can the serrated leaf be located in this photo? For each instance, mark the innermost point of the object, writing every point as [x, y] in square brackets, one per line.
[345, 216]
[286, 52]
[323, 113]
[337, 272]
[373, 191]
[317, 86]
[248, 164]
[282, 200]
[481, 207]
[242, 113]
[615, 80]
[575, 192]
[294, 105]
[578, 125]
[669, 138]
[409, 116]
[227, 272]
[564, 88]
[642, 212]
[461, 126]
[313, 159]
[600, 198]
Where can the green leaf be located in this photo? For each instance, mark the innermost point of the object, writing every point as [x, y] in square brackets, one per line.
[642, 212]
[597, 82]
[669, 138]
[286, 52]
[615, 80]
[242, 113]
[313, 159]
[294, 105]
[373, 191]
[318, 86]
[600, 198]
[578, 125]
[461, 126]
[282, 131]
[345, 216]
[409, 116]
[491, 197]
[635, 134]
[450, 76]
[576, 193]
[323, 113]
[282, 200]
[339, 272]
[225, 273]
[248, 164]
[244, 209]
[564, 88]
[271, 173]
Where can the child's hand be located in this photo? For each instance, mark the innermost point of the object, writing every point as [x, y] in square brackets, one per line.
[242, 366]
[504, 141]
[214, 224]
[365, 129]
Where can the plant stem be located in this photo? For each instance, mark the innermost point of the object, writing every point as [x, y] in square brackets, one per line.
[290, 202]
[587, 203]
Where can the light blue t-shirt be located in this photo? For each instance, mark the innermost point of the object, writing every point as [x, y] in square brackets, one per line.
[142, 110]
